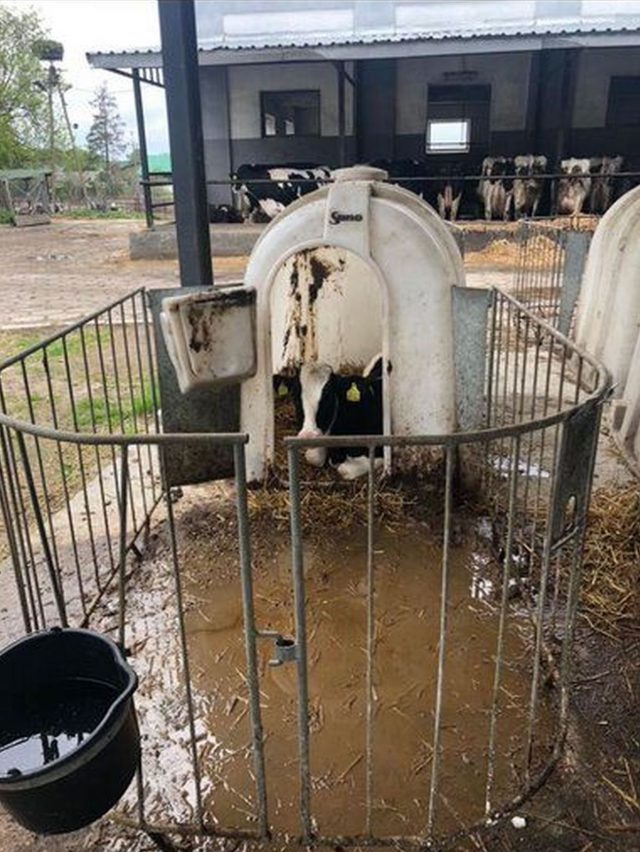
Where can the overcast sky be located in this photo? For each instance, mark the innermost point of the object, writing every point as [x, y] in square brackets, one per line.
[84, 26]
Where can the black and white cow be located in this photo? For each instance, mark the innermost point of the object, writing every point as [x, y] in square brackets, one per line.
[494, 189]
[331, 404]
[263, 191]
[603, 186]
[448, 194]
[527, 187]
[574, 187]
[224, 214]
[444, 193]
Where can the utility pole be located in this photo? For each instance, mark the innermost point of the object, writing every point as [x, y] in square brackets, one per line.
[53, 51]
[52, 78]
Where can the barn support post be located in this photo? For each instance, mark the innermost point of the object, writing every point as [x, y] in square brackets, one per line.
[142, 145]
[182, 87]
[568, 92]
[342, 147]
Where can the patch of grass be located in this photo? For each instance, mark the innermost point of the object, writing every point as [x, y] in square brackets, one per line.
[105, 412]
[55, 350]
[5, 217]
[102, 214]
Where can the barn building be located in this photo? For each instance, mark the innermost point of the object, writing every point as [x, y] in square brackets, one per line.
[335, 82]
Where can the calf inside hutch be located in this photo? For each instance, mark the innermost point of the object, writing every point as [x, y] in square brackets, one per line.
[400, 642]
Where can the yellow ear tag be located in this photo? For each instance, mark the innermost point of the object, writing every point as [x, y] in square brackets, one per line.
[283, 390]
[353, 394]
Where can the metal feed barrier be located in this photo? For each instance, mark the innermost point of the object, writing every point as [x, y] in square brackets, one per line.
[81, 476]
[551, 260]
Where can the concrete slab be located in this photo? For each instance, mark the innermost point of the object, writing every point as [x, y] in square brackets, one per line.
[160, 243]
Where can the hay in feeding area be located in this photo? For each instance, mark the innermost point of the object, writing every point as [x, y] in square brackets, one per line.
[611, 582]
[540, 252]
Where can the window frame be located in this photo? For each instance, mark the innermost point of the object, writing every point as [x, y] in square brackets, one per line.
[453, 148]
[265, 93]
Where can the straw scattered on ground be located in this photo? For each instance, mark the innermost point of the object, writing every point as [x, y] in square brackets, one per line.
[611, 586]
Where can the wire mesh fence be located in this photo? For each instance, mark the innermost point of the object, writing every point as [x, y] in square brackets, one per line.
[551, 260]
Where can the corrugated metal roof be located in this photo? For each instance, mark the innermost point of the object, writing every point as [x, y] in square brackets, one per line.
[301, 41]
[287, 41]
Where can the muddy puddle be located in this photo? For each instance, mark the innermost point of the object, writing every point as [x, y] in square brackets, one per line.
[407, 612]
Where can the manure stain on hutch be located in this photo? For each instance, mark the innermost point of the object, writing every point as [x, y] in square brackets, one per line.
[407, 608]
[41, 726]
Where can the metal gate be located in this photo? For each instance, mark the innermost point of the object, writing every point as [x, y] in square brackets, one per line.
[83, 507]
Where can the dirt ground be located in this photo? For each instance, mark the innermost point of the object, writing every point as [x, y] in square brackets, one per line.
[55, 274]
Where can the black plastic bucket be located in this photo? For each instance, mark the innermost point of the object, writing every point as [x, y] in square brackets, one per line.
[69, 740]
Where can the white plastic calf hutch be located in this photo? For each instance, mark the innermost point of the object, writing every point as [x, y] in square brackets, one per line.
[608, 323]
[354, 269]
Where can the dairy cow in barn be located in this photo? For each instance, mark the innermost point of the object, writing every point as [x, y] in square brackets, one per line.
[261, 192]
[494, 189]
[573, 187]
[603, 185]
[444, 192]
[527, 186]
[448, 193]
[328, 403]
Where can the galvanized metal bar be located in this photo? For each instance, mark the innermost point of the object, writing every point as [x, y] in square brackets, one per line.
[107, 404]
[371, 627]
[65, 489]
[504, 603]
[301, 641]
[250, 633]
[134, 416]
[573, 594]
[122, 535]
[54, 579]
[442, 641]
[184, 654]
[18, 513]
[143, 386]
[120, 408]
[103, 498]
[150, 353]
[15, 558]
[34, 571]
[539, 625]
[576, 250]
[83, 478]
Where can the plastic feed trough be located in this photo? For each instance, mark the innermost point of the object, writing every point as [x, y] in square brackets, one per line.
[69, 739]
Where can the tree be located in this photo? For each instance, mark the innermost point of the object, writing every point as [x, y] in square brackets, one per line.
[105, 139]
[23, 115]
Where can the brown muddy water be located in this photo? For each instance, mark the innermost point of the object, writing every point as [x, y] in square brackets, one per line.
[407, 612]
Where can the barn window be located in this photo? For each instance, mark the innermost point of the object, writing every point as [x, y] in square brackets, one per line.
[457, 118]
[447, 137]
[290, 113]
[623, 108]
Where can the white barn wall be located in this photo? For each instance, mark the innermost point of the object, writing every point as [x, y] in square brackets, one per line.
[246, 83]
[507, 74]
